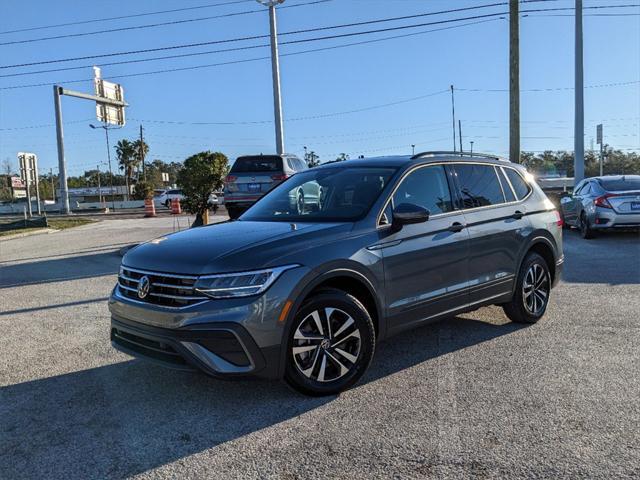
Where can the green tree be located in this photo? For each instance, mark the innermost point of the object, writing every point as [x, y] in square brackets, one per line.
[342, 157]
[312, 159]
[143, 190]
[202, 174]
[127, 159]
[140, 153]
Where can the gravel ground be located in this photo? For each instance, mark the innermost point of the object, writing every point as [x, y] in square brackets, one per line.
[470, 397]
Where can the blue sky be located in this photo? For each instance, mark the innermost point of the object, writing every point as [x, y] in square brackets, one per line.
[474, 58]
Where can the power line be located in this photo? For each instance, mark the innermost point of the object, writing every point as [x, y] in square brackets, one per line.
[100, 20]
[316, 29]
[256, 37]
[154, 25]
[195, 67]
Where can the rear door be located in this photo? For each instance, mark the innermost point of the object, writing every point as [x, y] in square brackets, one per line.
[254, 175]
[425, 264]
[497, 229]
[570, 206]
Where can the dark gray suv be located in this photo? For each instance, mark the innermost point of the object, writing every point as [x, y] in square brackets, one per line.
[305, 293]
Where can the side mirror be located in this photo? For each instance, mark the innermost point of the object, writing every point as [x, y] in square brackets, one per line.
[408, 213]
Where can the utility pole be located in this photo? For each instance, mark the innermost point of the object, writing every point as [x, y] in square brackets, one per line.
[600, 139]
[275, 71]
[578, 136]
[514, 81]
[460, 134]
[413, 149]
[471, 147]
[453, 118]
[53, 188]
[99, 189]
[144, 171]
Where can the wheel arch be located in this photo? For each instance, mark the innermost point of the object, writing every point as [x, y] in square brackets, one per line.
[546, 248]
[349, 280]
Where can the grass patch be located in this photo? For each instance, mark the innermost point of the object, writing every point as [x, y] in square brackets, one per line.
[64, 223]
[56, 223]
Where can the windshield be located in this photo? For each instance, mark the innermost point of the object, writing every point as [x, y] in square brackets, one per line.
[334, 194]
[621, 184]
[258, 163]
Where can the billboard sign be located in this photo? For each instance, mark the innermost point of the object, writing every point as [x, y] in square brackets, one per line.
[113, 91]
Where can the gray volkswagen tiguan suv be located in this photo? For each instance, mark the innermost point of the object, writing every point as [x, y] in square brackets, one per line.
[304, 293]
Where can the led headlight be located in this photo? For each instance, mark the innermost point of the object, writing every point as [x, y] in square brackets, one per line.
[234, 285]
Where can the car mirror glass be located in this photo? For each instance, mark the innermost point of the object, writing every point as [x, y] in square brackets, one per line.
[408, 213]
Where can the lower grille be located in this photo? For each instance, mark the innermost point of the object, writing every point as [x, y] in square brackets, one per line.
[148, 348]
[168, 290]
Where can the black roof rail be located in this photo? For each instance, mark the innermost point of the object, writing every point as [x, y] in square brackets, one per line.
[459, 154]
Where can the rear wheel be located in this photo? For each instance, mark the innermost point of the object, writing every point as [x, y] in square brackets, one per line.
[585, 229]
[330, 344]
[300, 203]
[533, 288]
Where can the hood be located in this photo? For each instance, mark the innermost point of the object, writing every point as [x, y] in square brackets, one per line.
[230, 246]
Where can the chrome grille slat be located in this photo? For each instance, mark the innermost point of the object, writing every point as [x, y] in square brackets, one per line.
[167, 289]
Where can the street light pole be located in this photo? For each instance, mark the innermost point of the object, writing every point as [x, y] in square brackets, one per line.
[275, 71]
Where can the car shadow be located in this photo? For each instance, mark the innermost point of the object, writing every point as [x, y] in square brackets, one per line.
[126, 418]
[610, 258]
[59, 269]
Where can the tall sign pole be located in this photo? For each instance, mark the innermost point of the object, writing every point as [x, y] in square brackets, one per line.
[514, 81]
[600, 140]
[578, 136]
[62, 164]
[110, 106]
[275, 71]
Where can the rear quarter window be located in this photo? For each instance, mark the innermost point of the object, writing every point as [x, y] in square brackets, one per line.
[479, 185]
[520, 186]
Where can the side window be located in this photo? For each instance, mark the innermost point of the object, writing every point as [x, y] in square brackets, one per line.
[586, 189]
[387, 215]
[301, 164]
[426, 187]
[576, 191]
[521, 187]
[506, 188]
[291, 163]
[479, 185]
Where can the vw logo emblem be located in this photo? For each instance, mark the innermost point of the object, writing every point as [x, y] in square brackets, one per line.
[143, 287]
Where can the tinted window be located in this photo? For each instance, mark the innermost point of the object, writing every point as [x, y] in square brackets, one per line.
[586, 189]
[326, 194]
[620, 184]
[426, 187]
[479, 185]
[258, 163]
[301, 164]
[517, 182]
[506, 189]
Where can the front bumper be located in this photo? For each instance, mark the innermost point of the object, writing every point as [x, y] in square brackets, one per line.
[223, 349]
[228, 337]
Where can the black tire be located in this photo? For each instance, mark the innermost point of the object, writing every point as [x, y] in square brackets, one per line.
[300, 203]
[585, 229]
[347, 342]
[529, 305]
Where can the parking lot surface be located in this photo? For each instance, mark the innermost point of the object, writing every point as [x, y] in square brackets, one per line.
[469, 397]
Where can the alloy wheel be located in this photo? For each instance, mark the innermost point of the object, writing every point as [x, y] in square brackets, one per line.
[535, 289]
[326, 345]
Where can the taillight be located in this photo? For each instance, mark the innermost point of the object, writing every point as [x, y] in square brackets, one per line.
[602, 201]
[230, 178]
[279, 177]
[559, 220]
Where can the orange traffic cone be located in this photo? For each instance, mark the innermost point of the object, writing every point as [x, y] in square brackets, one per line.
[149, 208]
[175, 206]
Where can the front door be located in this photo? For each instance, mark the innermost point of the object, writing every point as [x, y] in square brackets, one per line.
[425, 264]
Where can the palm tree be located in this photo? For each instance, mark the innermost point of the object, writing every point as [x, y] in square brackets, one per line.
[127, 159]
[140, 154]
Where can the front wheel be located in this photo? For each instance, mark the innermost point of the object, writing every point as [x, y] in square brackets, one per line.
[330, 344]
[533, 288]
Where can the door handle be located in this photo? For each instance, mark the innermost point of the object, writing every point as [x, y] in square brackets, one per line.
[517, 214]
[456, 227]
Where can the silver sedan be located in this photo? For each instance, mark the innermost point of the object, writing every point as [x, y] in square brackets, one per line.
[601, 203]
